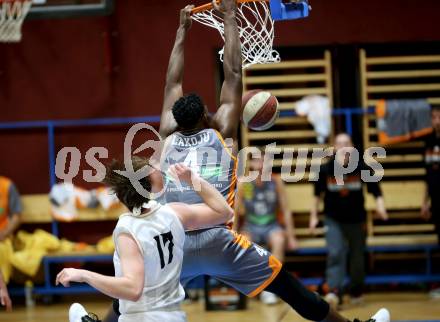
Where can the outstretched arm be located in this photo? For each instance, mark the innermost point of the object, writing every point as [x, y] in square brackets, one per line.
[129, 286]
[174, 79]
[228, 115]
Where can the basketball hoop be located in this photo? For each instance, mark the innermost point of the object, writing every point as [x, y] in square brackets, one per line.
[255, 19]
[12, 14]
[256, 28]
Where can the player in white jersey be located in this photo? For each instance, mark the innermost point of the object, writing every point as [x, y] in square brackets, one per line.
[149, 246]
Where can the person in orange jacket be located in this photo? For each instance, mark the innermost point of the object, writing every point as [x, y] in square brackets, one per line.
[10, 208]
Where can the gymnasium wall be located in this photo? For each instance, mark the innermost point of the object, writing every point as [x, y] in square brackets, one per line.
[115, 66]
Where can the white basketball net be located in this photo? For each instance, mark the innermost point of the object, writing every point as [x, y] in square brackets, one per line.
[12, 14]
[256, 28]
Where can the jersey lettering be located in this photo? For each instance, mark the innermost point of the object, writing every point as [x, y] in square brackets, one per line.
[261, 251]
[161, 242]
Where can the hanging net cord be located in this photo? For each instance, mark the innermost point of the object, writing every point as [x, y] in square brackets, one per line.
[12, 15]
[256, 29]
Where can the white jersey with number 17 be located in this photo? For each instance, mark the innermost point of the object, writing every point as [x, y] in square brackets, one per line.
[160, 237]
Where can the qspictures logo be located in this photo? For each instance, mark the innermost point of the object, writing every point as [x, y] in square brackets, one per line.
[214, 163]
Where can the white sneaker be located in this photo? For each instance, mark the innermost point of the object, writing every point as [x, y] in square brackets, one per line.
[332, 299]
[383, 315]
[268, 298]
[77, 313]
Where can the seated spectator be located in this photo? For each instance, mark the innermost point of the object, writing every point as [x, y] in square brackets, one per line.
[10, 208]
[345, 220]
[259, 203]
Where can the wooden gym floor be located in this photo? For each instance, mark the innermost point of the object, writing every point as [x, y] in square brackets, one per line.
[403, 307]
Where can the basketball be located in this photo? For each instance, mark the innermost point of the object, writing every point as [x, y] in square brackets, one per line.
[260, 110]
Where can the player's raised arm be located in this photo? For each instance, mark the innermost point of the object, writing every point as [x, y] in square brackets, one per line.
[228, 115]
[174, 78]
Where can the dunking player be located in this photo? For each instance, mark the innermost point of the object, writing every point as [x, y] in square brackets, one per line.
[209, 146]
[192, 137]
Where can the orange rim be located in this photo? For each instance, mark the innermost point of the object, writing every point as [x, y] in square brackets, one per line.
[208, 6]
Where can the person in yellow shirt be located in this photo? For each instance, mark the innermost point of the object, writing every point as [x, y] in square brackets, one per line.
[10, 208]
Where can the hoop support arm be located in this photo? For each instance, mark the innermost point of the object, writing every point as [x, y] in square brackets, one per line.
[289, 11]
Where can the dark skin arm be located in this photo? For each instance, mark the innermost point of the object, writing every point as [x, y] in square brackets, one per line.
[174, 79]
[227, 118]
